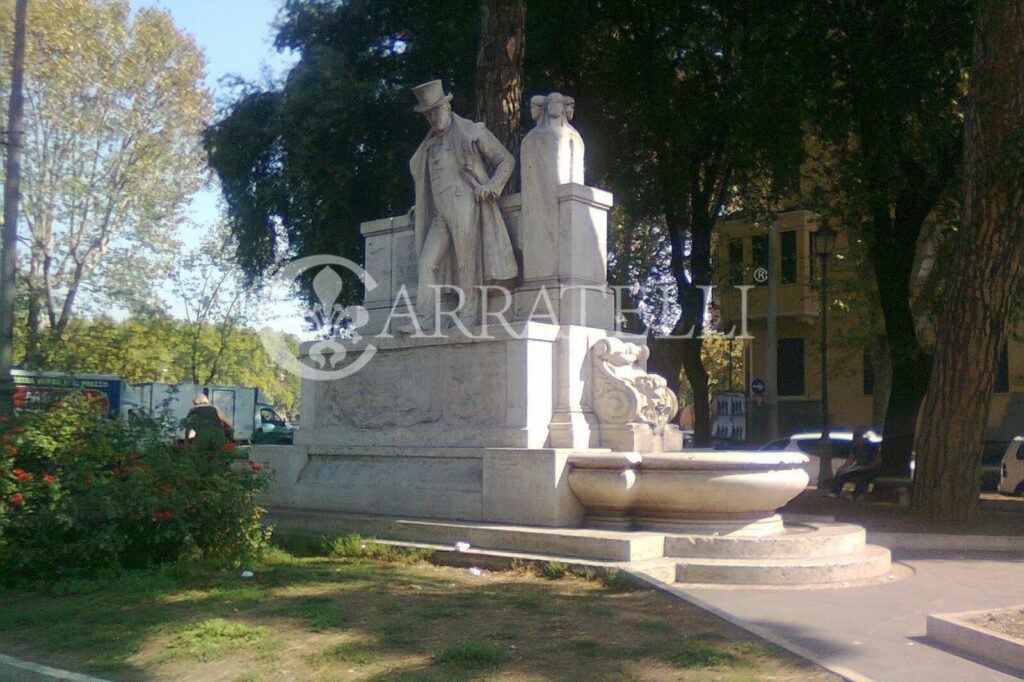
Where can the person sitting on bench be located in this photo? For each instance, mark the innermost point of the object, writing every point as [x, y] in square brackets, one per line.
[861, 467]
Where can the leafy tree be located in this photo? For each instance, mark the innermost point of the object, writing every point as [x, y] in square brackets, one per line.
[883, 85]
[986, 275]
[114, 108]
[680, 103]
[302, 166]
[159, 348]
[214, 300]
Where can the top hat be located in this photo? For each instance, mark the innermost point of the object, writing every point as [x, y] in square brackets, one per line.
[430, 95]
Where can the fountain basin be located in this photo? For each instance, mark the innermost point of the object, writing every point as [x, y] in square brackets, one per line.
[710, 492]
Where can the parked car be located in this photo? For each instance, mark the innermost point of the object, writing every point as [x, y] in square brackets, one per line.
[810, 445]
[991, 460]
[1011, 478]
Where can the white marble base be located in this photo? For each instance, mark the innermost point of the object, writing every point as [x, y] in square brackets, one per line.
[470, 484]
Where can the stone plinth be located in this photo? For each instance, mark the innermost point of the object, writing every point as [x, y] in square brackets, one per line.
[495, 485]
[449, 391]
[566, 271]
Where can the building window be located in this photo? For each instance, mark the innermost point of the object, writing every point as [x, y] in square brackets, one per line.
[759, 250]
[812, 270]
[869, 374]
[1003, 372]
[735, 262]
[787, 247]
[790, 367]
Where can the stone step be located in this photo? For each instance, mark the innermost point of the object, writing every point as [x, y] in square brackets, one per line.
[800, 540]
[870, 562]
[583, 543]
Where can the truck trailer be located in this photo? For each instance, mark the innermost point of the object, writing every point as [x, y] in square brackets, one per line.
[254, 420]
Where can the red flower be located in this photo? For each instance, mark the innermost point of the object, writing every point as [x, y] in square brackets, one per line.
[164, 486]
[181, 482]
[47, 478]
[19, 429]
[22, 475]
[17, 500]
[229, 446]
[3, 418]
[88, 480]
[255, 466]
[163, 516]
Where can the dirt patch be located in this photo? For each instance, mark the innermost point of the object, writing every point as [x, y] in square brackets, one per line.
[1009, 622]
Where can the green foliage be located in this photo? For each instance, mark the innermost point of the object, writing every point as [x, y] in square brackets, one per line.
[160, 349]
[83, 496]
[303, 165]
[470, 655]
[353, 546]
[698, 655]
[114, 107]
[216, 637]
[554, 570]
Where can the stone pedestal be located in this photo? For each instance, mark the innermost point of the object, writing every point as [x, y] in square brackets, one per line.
[498, 485]
[565, 272]
[450, 391]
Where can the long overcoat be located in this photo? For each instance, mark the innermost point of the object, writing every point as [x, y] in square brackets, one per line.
[481, 159]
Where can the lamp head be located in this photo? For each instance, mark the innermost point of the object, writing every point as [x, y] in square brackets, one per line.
[824, 241]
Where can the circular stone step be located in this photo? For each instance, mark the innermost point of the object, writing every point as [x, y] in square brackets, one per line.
[869, 562]
[796, 541]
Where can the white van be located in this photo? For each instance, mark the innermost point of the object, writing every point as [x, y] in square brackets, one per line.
[1011, 477]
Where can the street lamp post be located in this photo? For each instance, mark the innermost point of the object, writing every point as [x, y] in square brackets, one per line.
[824, 244]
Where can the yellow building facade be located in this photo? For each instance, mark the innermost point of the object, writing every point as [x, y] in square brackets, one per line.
[741, 258]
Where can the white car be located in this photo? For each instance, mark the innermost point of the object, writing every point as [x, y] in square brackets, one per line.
[810, 445]
[1011, 475]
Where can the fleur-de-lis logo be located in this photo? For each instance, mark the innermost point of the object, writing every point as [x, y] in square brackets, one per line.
[332, 318]
[338, 324]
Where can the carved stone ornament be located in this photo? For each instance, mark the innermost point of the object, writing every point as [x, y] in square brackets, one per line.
[622, 390]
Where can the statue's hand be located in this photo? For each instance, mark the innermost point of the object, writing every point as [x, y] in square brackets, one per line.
[485, 193]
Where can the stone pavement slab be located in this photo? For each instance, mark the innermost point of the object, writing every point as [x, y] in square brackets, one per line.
[877, 632]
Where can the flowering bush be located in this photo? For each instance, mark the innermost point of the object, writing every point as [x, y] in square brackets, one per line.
[81, 495]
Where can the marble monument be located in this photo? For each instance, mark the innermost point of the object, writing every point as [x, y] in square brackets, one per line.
[518, 418]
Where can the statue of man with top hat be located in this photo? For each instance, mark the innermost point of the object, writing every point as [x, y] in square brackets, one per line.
[459, 169]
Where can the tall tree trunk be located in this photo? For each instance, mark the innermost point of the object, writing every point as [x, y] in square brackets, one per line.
[499, 72]
[986, 274]
[881, 368]
[12, 193]
[894, 239]
[697, 376]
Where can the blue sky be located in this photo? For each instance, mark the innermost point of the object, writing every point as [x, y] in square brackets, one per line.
[237, 39]
[236, 35]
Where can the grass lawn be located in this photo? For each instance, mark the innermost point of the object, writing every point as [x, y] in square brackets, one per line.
[367, 618]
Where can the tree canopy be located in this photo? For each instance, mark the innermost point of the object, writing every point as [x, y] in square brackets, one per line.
[112, 152]
[303, 165]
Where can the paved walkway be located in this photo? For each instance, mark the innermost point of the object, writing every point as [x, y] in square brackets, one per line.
[877, 632]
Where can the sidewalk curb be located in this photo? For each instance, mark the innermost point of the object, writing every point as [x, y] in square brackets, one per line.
[946, 541]
[43, 671]
[763, 633]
